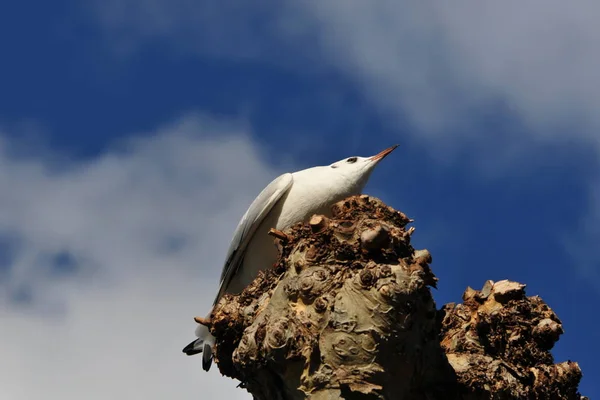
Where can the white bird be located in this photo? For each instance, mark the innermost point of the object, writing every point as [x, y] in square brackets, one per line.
[287, 200]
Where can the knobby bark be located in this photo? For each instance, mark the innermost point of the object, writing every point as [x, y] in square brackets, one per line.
[347, 313]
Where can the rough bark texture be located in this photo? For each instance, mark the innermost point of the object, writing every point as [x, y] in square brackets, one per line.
[347, 313]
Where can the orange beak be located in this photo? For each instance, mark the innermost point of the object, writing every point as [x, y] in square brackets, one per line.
[381, 155]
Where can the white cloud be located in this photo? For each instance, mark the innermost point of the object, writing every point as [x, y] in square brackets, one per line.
[438, 62]
[434, 63]
[147, 224]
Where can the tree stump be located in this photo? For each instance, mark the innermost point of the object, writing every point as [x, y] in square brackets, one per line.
[347, 313]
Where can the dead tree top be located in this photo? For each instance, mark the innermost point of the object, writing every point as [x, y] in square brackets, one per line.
[347, 313]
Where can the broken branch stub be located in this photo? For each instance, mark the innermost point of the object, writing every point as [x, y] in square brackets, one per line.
[347, 313]
[498, 343]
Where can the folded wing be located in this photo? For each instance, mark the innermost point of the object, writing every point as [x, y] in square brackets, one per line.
[256, 213]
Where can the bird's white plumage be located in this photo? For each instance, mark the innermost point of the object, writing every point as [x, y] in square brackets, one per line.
[288, 199]
[250, 222]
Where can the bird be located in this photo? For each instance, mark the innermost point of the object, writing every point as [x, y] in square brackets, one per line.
[287, 200]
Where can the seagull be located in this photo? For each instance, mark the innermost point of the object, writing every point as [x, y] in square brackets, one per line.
[287, 200]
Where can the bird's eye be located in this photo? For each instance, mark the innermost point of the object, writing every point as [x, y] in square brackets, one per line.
[333, 166]
[352, 160]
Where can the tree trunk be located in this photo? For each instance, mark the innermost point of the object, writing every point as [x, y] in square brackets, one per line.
[347, 313]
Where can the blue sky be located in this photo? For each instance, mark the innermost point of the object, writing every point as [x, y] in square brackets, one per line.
[133, 134]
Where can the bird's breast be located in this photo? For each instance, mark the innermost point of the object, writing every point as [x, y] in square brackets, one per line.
[303, 200]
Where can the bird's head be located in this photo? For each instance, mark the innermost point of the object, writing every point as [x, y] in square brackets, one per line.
[357, 170]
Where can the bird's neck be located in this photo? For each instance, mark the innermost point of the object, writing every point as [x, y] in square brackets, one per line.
[315, 193]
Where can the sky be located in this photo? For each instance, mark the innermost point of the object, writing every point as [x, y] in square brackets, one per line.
[135, 133]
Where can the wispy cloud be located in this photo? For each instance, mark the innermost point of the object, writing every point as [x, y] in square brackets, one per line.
[441, 63]
[106, 261]
[437, 64]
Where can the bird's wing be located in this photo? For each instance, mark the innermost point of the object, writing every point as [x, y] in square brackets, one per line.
[255, 214]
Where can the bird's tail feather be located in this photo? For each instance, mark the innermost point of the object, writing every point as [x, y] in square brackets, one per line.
[204, 344]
